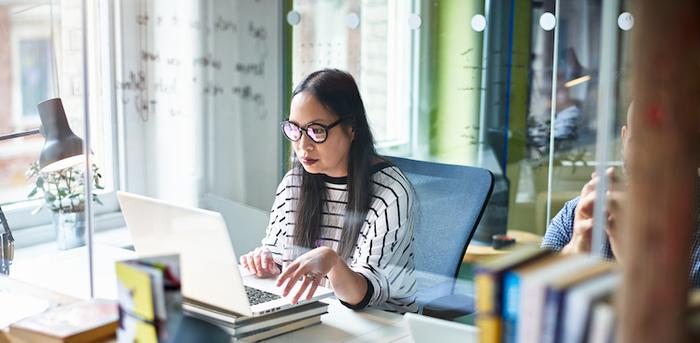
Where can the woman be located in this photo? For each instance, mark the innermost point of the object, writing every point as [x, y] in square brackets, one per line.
[342, 216]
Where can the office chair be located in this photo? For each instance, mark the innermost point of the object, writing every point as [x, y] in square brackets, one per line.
[451, 201]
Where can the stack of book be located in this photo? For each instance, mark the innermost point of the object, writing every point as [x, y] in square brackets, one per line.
[531, 295]
[151, 306]
[253, 329]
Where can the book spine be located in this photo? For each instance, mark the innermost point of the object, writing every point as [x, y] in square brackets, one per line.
[489, 328]
[602, 328]
[530, 311]
[550, 315]
[488, 306]
[511, 304]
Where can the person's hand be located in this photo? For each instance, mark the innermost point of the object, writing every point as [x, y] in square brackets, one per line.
[309, 268]
[617, 199]
[583, 215]
[260, 263]
[583, 219]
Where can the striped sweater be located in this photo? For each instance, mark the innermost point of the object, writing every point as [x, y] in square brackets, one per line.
[384, 250]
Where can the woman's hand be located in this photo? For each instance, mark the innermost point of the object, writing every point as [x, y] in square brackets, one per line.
[260, 262]
[310, 268]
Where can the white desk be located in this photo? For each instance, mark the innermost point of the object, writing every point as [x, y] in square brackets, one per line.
[344, 325]
[67, 272]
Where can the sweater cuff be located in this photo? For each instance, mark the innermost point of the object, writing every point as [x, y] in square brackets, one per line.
[365, 301]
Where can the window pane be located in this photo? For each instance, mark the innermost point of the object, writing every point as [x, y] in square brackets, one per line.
[35, 68]
[42, 58]
[26, 75]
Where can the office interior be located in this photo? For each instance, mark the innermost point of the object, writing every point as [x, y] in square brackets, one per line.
[183, 98]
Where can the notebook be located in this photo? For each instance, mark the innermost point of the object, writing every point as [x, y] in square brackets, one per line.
[211, 277]
[246, 223]
[428, 329]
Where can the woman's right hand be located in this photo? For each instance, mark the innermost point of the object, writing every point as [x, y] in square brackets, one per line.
[260, 263]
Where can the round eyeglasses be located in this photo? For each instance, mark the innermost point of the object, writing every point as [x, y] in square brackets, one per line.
[316, 132]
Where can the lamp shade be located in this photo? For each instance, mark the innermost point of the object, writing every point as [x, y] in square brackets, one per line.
[62, 148]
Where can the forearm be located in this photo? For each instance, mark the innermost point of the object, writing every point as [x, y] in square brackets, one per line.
[348, 285]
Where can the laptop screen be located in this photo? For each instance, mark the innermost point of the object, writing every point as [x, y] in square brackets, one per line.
[209, 265]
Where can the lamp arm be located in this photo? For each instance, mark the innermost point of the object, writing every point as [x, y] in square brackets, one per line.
[6, 226]
[7, 248]
[20, 134]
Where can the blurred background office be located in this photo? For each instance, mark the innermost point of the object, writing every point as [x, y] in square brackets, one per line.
[184, 97]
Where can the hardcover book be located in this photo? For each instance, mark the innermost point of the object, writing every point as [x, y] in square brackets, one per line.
[83, 321]
[554, 308]
[259, 335]
[150, 302]
[578, 303]
[488, 278]
[248, 324]
[533, 291]
[512, 285]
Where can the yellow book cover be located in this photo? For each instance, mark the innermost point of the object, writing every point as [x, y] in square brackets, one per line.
[150, 300]
[136, 305]
[489, 329]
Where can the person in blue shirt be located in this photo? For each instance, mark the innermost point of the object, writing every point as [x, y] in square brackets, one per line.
[570, 230]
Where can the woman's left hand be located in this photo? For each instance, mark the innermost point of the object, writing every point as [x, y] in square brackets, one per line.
[310, 268]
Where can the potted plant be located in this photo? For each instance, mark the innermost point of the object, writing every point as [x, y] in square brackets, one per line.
[62, 192]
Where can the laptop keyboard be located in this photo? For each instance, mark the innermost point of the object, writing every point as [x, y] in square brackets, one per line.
[257, 296]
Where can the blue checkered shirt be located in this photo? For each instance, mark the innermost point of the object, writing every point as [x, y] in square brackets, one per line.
[561, 229]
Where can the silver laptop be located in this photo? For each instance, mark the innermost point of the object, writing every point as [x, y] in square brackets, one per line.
[209, 267]
[428, 329]
[246, 224]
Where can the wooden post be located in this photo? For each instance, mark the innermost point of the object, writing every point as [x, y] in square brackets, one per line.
[662, 169]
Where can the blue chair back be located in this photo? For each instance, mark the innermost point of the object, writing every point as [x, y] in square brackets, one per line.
[451, 201]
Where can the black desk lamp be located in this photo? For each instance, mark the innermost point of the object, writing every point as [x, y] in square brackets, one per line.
[62, 149]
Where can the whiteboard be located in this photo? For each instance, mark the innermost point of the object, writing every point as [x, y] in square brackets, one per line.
[199, 87]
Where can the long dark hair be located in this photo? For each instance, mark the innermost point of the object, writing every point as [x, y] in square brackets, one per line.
[337, 92]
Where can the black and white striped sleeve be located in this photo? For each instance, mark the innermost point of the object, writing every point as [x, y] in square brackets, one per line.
[385, 250]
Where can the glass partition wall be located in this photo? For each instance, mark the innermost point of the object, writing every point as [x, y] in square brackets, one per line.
[185, 97]
[509, 86]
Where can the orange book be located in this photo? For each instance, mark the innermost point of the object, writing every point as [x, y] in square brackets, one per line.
[83, 321]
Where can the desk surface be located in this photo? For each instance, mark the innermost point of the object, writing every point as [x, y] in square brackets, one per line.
[476, 253]
[67, 272]
[344, 325]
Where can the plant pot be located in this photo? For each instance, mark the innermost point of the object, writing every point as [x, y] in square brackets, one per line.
[69, 228]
